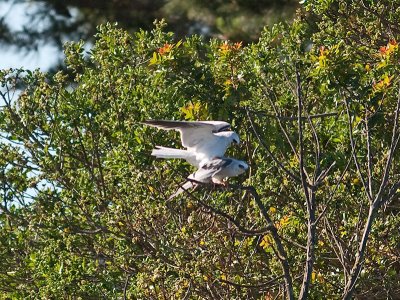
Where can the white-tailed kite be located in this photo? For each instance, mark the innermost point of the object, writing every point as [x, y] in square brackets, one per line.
[203, 140]
[215, 171]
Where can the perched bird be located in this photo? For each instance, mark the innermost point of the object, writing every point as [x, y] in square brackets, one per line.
[213, 171]
[203, 140]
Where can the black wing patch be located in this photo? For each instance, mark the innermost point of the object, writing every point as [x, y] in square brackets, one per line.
[169, 124]
[225, 128]
[217, 163]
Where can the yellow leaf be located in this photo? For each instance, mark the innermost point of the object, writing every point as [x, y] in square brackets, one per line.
[284, 221]
[228, 82]
[272, 210]
[266, 242]
[154, 59]
[387, 80]
[178, 43]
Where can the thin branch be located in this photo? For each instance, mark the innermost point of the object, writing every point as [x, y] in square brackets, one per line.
[228, 217]
[393, 146]
[277, 239]
[262, 143]
[261, 285]
[126, 285]
[331, 194]
[282, 127]
[303, 175]
[353, 147]
[310, 199]
[187, 294]
[393, 190]
[261, 113]
[341, 256]
[356, 269]
[369, 155]
[317, 153]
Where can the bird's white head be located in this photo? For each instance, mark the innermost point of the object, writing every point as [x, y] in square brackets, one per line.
[231, 136]
[241, 167]
[235, 138]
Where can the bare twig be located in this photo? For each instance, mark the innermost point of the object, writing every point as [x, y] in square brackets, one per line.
[317, 154]
[332, 193]
[353, 147]
[369, 154]
[339, 252]
[278, 119]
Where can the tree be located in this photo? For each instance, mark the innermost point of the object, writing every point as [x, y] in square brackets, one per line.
[84, 207]
[54, 22]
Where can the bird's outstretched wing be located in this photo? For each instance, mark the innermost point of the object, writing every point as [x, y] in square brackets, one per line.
[193, 133]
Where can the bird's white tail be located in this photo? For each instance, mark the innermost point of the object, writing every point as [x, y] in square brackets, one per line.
[185, 187]
[165, 152]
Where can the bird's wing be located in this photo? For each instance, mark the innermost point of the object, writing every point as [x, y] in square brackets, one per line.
[193, 134]
[210, 168]
[184, 187]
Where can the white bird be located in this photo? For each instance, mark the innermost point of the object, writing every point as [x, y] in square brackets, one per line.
[203, 140]
[213, 171]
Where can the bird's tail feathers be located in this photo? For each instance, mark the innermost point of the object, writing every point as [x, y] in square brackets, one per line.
[186, 186]
[165, 152]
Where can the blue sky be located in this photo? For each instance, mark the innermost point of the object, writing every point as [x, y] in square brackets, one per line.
[11, 57]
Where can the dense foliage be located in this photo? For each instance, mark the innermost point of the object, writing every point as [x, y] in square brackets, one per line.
[84, 210]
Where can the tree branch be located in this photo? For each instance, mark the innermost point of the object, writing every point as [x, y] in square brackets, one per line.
[277, 239]
[310, 198]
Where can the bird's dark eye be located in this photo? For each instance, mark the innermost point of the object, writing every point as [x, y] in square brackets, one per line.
[241, 166]
[236, 141]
